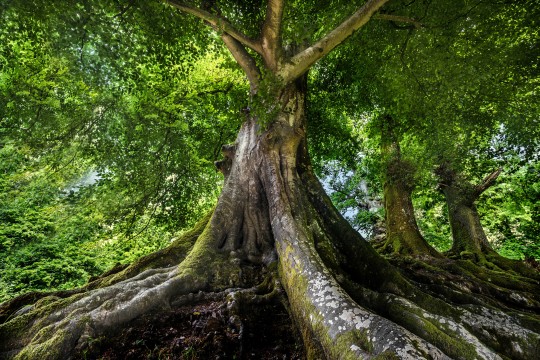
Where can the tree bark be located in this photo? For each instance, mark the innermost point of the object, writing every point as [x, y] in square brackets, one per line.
[469, 239]
[467, 232]
[402, 233]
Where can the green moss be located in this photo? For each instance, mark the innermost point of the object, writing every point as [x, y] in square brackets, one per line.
[386, 355]
[317, 342]
[12, 332]
[49, 342]
[38, 340]
[440, 336]
[327, 253]
[17, 332]
[49, 349]
[503, 279]
[46, 300]
[468, 255]
[455, 347]
[291, 280]
[264, 103]
[313, 344]
[358, 337]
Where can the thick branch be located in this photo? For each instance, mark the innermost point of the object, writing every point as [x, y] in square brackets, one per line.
[218, 23]
[301, 62]
[396, 18]
[246, 61]
[487, 182]
[271, 33]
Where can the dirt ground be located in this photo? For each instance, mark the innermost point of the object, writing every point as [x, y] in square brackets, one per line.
[204, 331]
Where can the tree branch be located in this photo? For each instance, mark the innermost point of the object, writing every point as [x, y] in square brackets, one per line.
[302, 61]
[487, 182]
[396, 18]
[218, 23]
[246, 61]
[125, 9]
[271, 33]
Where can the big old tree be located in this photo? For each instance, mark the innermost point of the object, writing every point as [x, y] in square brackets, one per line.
[274, 219]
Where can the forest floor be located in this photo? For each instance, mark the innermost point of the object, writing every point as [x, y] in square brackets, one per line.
[204, 331]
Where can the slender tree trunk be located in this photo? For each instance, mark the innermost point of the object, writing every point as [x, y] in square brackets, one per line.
[402, 233]
[470, 241]
[469, 238]
[467, 232]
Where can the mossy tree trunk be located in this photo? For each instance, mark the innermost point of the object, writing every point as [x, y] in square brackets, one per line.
[273, 214]
[469, 238]
[402, 233]
[264, 213]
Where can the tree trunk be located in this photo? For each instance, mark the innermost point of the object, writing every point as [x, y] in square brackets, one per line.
[402, 233]
[469, 239]
[467, 232]
[347, 302]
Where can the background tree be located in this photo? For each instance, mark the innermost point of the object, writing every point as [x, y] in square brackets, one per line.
[446, 120]
[402, 233]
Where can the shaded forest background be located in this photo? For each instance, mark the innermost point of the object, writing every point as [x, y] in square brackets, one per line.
[108, 138]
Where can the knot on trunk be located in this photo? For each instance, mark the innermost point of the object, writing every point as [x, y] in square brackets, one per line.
[224, 166]
[228, 150]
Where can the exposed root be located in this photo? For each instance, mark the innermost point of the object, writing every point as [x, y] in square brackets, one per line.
[488, 331]
[348, 302]
[53, 329]
[169, 256]
[470, 330]
[517, 267]
[51, 332]
[324, 311]
[201, 329]
[490, 259]
[465, 282]
[264, 293]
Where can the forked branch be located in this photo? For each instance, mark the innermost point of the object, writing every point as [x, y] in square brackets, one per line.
[217, 22]
[396, 18]
[302, 61]
[487, 182]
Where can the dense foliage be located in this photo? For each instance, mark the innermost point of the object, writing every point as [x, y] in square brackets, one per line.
[108, 139]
